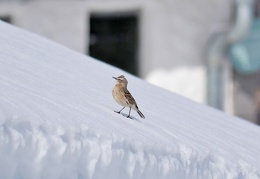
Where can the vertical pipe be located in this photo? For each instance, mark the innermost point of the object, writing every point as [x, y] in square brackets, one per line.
[217, 52]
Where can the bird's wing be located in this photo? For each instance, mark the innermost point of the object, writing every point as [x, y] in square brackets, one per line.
[129, 98]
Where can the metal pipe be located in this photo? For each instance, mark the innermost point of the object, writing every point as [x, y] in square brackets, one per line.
[218, 48]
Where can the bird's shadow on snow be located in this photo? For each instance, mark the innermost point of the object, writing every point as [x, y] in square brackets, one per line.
[131, 117]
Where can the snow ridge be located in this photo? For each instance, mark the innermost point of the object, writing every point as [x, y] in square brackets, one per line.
[30, 149]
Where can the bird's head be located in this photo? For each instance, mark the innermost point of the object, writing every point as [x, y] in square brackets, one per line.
[121, 79]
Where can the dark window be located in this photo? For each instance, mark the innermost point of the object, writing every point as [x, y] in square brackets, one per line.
[6, 18]
[257, 9]
[114, 40]
[247, 96]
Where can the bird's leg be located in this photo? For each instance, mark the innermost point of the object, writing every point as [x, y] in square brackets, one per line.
[129, 112]
[120, 110]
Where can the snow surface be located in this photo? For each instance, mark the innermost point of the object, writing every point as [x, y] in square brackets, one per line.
[57, 121]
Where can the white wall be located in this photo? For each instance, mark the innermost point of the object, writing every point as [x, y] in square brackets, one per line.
[64, 22]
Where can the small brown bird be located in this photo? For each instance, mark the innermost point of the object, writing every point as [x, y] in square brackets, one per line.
[123, 97]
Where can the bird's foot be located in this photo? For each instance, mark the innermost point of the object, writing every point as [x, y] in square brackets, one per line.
[129, 117]
[117, 112]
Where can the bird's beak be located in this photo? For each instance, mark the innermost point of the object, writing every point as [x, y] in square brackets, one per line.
[114, 77]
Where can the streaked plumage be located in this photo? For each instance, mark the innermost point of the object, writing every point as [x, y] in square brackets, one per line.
[123, 97]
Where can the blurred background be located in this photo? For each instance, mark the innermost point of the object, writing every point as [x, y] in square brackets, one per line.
[205, 50]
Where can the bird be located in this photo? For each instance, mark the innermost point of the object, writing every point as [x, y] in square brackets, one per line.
[123, 97]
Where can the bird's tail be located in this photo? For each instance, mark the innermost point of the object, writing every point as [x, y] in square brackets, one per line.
[135, 107]
[140, 114]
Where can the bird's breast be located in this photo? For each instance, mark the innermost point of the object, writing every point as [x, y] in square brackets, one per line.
[118, 96]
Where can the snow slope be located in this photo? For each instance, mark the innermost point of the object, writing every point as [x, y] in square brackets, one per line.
[57, 121]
